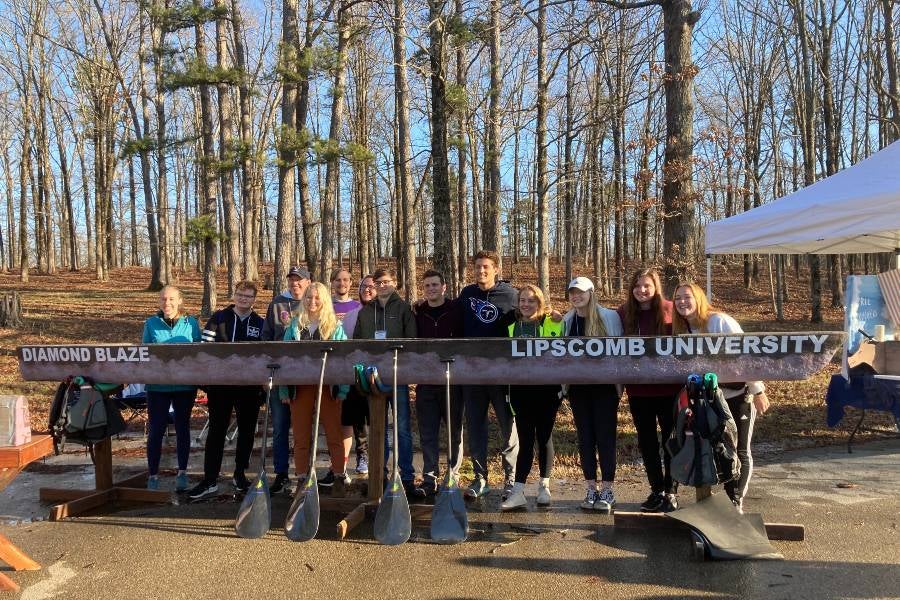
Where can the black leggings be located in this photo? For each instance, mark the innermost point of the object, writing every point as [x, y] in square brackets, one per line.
[646, 412]
[535, 408]
[595, 408]
[744, 414]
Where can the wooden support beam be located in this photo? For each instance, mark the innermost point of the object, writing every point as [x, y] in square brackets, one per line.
[81, 505]
[353, 518]
[7, 584]
[14, 557]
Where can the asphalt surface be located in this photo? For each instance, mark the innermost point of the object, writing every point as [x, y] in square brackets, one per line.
[849, 504]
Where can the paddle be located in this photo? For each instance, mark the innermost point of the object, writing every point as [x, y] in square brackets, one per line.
[255, 514]
[393, 523]
[449, 520]
[302, 521]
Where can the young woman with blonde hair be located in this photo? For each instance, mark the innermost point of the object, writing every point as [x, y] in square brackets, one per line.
[317, 321]
[693, 314]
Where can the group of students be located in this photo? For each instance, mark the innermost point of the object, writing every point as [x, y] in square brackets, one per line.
[526, 414]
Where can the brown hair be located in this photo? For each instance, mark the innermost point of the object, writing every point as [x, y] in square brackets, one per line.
[382, 272]
[488, 254]
[433, 273]
[246, 285]
[633, 308]
[338, 271]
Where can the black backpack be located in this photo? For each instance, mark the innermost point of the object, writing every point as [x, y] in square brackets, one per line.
[84, 414]
[703, 445]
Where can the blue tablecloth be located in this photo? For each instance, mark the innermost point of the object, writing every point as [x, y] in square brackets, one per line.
[862, 391]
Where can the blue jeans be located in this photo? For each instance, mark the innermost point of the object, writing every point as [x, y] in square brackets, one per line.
[404, 435]
[281, 426]
[158, 403]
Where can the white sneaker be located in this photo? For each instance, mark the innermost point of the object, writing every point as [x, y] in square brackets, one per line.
[606, 500]
[516, 498]
[589, 500]
[543, 497]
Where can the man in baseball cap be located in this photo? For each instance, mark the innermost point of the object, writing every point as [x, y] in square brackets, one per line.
[278, 317]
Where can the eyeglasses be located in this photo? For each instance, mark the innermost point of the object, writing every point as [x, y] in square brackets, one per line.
[368, 287]
[384, 282]
[245, 296]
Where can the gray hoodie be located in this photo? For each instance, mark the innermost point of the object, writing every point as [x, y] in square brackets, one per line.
[278, 316]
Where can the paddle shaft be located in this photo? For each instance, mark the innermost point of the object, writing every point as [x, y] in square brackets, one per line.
[396, 421]
[315, 430]
[265, 440]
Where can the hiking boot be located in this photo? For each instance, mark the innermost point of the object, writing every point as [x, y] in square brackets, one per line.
[589, 499]
[516, 498]
[606, 500]
[507, 489]
[427, 489]
[153, 482]
[240, 481]
[669, 504]
[653, 503]
[203, 489]
[280, 484]
[477, 489]
[362, 464]
[543, 497]
[181, 482]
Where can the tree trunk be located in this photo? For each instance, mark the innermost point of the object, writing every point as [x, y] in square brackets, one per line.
[404, 184]
[158, 36]
[440, 170]
[287, 156]
[491, 209]
[543, 201]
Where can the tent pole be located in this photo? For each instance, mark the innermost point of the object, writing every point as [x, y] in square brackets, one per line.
[709, 276]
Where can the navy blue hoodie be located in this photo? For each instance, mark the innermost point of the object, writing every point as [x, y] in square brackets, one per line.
[488, 313]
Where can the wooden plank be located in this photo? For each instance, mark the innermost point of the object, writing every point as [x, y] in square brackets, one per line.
[7, 584]
[129, 494]
[339, 505]
[138, 480]
[81, 505]
[103, 473]
[20, 456]
[62, 494]
[668, 359]
[377, 408]
[353, 518]
[18, 560]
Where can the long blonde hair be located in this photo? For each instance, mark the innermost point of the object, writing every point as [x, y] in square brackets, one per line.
[593, 324]
[327, 318]
[679, 323]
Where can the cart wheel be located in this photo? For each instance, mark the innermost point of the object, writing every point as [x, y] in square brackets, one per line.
[698, 547]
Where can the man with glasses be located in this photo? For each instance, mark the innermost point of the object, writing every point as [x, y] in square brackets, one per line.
[238, 322]
[388, 317]
[278, 316]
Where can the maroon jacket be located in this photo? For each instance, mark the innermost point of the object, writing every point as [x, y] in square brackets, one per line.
[444, 321]
[646, 325]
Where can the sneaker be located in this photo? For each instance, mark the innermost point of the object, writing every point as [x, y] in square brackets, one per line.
[670, 503]
[508, 488]
[739, 505]
[477, 488]
[543, 497]
[653, 503]
[427, 489]
[409, 487]
[181, 482]
[606, 500]
[280, 483]
[516, 499]
[153, 482]
[362, 464]
[328, 480]
[240, 481]
[589, 500]
[203, 489]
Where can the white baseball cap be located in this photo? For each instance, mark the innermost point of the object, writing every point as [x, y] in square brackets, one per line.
[581, 283]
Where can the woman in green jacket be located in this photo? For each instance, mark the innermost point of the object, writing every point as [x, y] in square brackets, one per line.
[534, 406]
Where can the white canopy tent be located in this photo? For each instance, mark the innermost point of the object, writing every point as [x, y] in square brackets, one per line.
[854, 210]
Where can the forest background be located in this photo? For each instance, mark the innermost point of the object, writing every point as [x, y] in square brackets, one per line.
[198, 143]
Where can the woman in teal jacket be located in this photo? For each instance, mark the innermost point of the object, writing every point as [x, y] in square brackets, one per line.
[317, 322]
[534, 406]
[169, 326]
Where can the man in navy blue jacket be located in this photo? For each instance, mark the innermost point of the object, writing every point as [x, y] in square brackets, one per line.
[488, 306]
[236, 323]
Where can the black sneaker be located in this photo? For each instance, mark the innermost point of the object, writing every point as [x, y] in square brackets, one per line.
[410, 488]
[654, 502]
[240, 481]
[203, 489]
[669, 504]
[328, 480]
[280, 483]
[426, 490]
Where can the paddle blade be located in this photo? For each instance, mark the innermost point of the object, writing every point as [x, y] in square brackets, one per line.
[302, 521]
[393, 523]
[255, 514]
[449, 519]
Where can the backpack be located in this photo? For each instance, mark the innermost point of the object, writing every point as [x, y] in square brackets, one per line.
[703, 445]
[84, 413]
